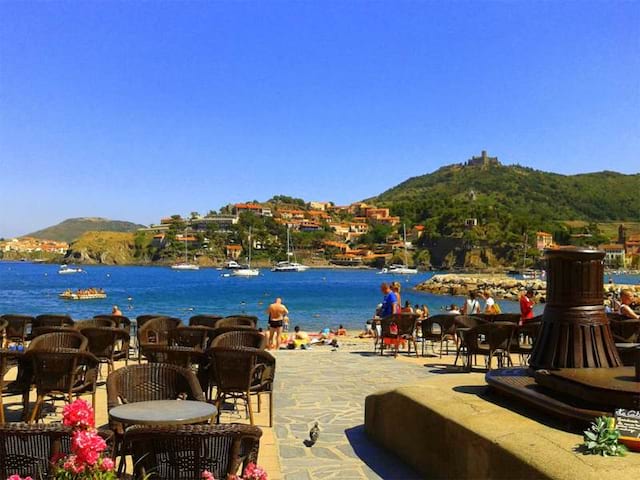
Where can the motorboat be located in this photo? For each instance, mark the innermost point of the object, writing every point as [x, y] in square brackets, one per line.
[66, 270]
[82, 295]
[288, 265]
[398, 269]
[232, 265]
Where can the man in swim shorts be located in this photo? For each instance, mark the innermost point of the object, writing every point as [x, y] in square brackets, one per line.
[276, 311]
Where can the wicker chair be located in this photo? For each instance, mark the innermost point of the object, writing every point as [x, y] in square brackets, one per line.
[120, 321]
[248, 320]
[524, 339]
[103, 342]
[94, 322]
[183, 452]
[498, 337]
[39, 331]
[65, 339]
[240, 338]
[142, 319]
[463, 323]
[156, 330]
[434, 335]
[65, 372]
[27, 449]
[19, 386]
[194, 337]
[204, 320]
[625, 331]
[17, 327]
[241, 372]
[52, 320]
[185, 357]
[151, 381]
[396, 329]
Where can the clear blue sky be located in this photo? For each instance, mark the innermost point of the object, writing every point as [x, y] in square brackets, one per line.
[135, 110]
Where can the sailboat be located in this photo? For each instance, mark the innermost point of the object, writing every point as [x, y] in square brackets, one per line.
[246, 270]
[397, 269]
[185, 265]
[288, 265]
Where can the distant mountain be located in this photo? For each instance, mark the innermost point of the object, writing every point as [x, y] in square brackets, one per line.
[72, 228]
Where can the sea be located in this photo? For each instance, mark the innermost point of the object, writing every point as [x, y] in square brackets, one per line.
[316, 299]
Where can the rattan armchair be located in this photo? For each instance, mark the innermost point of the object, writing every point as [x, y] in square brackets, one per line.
[94, 322]
[142, 319]
[66, 372]
[241, 372]
[194, 337]
[240, 338]
[52, 320]
[120, 321]
[397, 329]
[103, 342]
[19, 386]
[184, 452]
[497, 342]
[431, 329]
[204, 320]
[625, 331]
[185, 357]
[17, 327]
[156, 330]
[247, 320]
[524, 340]
[26, 450]
[68, 338]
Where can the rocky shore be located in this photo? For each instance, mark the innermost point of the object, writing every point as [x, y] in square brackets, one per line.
[502, 286]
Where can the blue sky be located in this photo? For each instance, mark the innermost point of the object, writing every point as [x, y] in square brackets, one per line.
[135, 110]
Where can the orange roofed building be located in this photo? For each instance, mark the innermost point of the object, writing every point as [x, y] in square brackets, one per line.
[233, 251]
[543, 240]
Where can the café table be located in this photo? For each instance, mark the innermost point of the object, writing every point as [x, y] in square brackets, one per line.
[163, 412]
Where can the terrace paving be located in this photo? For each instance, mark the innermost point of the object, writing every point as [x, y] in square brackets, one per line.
[329, 387]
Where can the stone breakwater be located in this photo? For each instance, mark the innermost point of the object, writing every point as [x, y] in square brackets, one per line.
[502, 286]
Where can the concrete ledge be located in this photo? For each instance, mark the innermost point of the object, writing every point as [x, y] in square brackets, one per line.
[443, 428]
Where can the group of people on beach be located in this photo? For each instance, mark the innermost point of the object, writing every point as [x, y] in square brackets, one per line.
[278, 315]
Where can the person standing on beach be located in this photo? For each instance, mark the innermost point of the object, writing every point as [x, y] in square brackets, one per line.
[389, 302]
[277, 312]
[395, 288]
[472, 305]
[526, 306]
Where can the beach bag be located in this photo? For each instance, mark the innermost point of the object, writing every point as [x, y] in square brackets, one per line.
[393, 328]
[496, 309]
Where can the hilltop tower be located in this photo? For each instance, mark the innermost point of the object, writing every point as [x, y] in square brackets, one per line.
[622, 234]
[483, 160]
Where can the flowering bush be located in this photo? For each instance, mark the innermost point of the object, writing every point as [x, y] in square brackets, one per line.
[86, 461]
[18, 477]
[252, 472]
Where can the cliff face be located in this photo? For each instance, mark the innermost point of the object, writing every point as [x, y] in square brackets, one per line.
[107, 248]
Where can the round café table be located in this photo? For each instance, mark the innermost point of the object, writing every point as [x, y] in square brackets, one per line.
[163, 412]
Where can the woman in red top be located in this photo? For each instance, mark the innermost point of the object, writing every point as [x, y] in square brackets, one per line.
[526, 306]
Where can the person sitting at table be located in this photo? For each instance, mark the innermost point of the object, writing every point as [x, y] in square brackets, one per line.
[626, 299]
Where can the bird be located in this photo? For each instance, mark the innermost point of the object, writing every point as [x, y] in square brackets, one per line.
[314, 433]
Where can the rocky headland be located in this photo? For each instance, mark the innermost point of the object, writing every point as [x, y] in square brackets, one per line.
[502, 286]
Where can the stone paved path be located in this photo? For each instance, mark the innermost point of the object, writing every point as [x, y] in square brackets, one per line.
[330, 387]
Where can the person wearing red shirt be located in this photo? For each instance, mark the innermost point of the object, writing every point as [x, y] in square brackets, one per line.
[526, 306]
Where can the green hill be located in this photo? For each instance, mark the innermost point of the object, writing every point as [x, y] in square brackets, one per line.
[508, 201]
[72, 228]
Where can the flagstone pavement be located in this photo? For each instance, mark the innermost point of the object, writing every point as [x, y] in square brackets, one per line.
[329, 387]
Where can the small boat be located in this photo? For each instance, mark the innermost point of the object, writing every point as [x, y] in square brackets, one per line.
[69, 295]
[65, 270]
[397, 269]
[232, 265]
[288, 265]
[246, 271]
[185, 265]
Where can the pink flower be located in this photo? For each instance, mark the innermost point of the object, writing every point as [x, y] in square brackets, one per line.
[207, 475]
[87, 445]
[78, 414]
[108, 464]
[254, 472]
[72, 464]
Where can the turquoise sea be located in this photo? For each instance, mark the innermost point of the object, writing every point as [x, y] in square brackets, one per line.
[316, 298]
